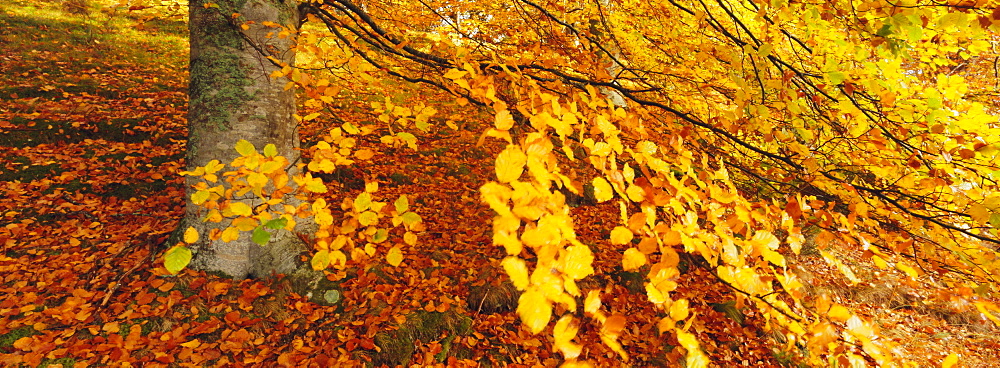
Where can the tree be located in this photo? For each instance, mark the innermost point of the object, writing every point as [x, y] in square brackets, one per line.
[739, 144]
[235, 48]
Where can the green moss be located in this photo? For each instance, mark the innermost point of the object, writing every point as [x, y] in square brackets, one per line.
[218, 75]
[7, 339]
[61, 362]
[398, 346]
[218, 81]
[493, 297]
[400, 179]
[24, 172]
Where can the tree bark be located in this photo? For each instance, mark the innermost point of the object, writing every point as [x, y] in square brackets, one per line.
[233, 97]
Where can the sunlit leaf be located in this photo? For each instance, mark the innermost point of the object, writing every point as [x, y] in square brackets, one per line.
[510, 164]
[177, 258]
[695, 358]
[410, 238]
[621, 235]
[563, 333]
[190, 235]
[950, 361]
[910, 271]
[315, 185]
[380, 236]
[517, 270]
[320, 260]
[350, 128]
[401, 204]
[602, 190]
[200, 196]
[632, 259]
[230, 234]
[679, 310]
[362, 202]
[270, 150]
[394, 256]
[260, 236]
[368, 218]
[535, 310]
[237, 209]
[839, 313]
[244, 223]
[245, 148]
[504, 121]
[410, 218]
[579, 261]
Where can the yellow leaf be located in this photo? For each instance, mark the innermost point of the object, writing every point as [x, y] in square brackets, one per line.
[579, 260]
[269, 167]
[230, 234]
[679, 310]
[534, 310]
[774, 257]
[508, 241]
[979, 213]
[563, 333]
[540, 236]
[907, 269]
[950, 361]
[320, 260]
[368, 218]
[879, 262]
[654, 294]
[395, 256]
[633, 259]
[410, 238]
[504, 120]
[191, 344]
[635, 193]
[510, 164]
[645, 147]
[256, 180]
[315, 185]
[322, 165]
[695, 358]
[839, 313]
[362, 202]
[602, 190]
[517, 270]
[190, 235]
[245, 148]
[621, 235]
[593, 302]
[455, 74]
[338, 258]
[237, 209]
[200, 196]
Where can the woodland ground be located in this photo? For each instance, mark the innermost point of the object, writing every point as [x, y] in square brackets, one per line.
[92, 106]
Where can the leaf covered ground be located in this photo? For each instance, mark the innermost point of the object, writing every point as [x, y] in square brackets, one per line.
[92, 123]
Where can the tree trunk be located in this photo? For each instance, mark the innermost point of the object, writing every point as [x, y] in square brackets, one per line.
[233, 97]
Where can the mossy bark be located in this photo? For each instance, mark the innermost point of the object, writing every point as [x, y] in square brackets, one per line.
[233, 97]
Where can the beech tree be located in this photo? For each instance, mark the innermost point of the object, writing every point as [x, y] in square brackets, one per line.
[730, 133]
[234, 50]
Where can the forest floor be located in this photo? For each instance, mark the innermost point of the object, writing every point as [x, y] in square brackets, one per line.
[92, 127]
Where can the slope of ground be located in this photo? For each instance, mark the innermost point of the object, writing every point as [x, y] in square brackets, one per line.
[92, 134]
